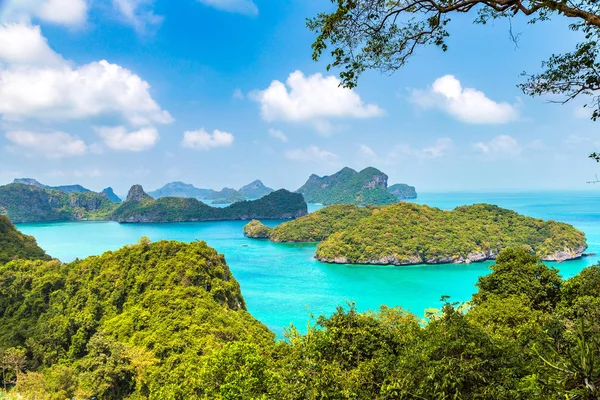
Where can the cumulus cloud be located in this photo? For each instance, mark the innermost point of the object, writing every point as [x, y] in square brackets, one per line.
[60, 12]
[499, 147]
[245, 7]
[202, 140]
[24, 45]
[439, 148]
[311, 154]
[464, 104]
[138, 13]
[277, 134]
[118, 138]
[66, 93]
[50, 145]
[314, 98]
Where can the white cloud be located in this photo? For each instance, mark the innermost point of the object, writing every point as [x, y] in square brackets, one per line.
[464, 104]
[245, 7]
[500, 146]
[202, 140]
[66, 93]
[118, 138]
[60, 12]
[311, 154]
[367, 151]
[138, 13]
[24, 45]
[51, 145]
[439, 148]
[314, 98]
[277, 134]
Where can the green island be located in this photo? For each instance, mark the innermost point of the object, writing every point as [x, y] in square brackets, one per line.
[347, 186]
[167, 320]
[405, 233]
[226, 196]
[255, 190]
[252, 191]
[30, 203]
[139, 207]
[403, 191]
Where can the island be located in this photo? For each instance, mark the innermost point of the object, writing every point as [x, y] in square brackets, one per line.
[139, 207]
[255, 190]
[403, 191]
[405, 234]
[226, 196]
[110, 194]
[64, 189]
[32, 203]
[181, 189]
[367, 187]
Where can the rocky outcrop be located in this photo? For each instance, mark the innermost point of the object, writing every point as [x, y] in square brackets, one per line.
[255, 190]
[559, 256]
[257, 230]
[136, 193]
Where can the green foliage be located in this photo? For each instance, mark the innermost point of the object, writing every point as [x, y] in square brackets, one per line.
[406, 233]
[129, 323]
[27, 203]
[15, 245]
[277, 205]
[226, 196]
[347, 186]
[255, 229]
[318, 225]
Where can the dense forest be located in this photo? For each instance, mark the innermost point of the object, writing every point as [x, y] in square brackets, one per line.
[15, 245]
[167, 320]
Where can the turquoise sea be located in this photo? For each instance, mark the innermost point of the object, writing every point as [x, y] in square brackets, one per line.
[283, 284]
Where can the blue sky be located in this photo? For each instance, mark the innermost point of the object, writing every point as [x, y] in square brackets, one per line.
[221, 92]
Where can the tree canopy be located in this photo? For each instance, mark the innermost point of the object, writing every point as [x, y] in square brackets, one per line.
[384, 34]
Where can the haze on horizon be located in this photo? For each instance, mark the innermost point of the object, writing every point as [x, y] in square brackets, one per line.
[222, 93]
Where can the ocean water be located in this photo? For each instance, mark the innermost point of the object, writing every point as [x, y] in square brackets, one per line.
[283, 284]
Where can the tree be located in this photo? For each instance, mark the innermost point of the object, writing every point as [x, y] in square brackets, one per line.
[384, 34]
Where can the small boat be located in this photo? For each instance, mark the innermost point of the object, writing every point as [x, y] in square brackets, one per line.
[244, 245]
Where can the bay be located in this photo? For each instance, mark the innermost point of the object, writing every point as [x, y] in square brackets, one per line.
[284, 284]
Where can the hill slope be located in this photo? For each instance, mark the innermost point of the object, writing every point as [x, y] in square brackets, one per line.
[15, 245]
[255, 190]
[64, 189]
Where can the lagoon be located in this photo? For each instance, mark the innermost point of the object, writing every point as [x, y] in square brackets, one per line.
[283, 283]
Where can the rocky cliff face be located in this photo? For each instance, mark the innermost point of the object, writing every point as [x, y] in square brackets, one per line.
[136, 193]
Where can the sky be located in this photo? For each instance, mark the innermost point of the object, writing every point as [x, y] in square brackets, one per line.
[218, 93]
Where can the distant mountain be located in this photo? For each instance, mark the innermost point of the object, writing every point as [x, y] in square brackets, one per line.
[180, 189]
[108, 192]
[402, 191]
[15, 245]
[255, 190]
[347, 186]
[64, 189]
[29, 203]
[139, 207]
[226, 196]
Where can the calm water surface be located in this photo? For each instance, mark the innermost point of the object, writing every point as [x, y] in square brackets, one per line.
[283, 284]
